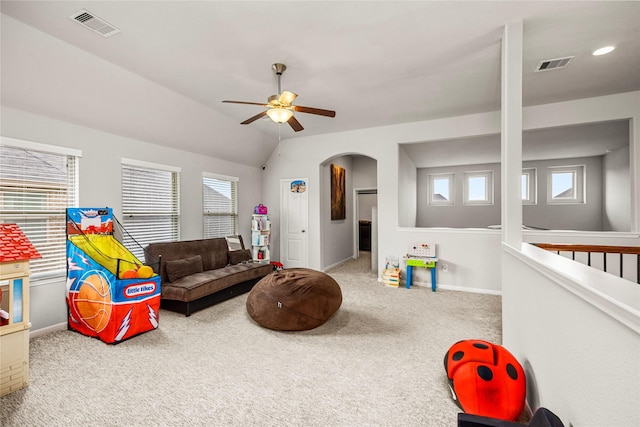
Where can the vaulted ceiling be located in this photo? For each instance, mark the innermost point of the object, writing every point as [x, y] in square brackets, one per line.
[163, 76]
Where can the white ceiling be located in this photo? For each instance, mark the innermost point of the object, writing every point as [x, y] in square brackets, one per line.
[162, 79]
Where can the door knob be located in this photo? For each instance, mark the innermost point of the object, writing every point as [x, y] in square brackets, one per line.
[304, 231]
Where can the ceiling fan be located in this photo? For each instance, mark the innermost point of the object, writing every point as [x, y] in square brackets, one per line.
[279, 107]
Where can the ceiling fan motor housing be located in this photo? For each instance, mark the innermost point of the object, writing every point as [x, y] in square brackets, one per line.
[279, 68]
[280, 108]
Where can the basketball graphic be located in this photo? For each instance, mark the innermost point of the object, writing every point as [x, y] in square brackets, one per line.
[93, 301]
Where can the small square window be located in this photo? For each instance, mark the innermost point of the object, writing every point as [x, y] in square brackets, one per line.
[441, 189]
[565, 185]
[478, 188]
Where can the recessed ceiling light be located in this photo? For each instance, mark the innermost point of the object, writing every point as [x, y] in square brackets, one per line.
[603, 50]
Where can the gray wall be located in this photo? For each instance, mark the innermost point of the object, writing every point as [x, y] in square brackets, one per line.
[586, 217]
[616, 215]
[407, 190]
[337, 235]
[459, 215]
[365, 170]
[366, 201]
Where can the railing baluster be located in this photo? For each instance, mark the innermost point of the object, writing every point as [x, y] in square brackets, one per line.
[588, 249]
[621, 269]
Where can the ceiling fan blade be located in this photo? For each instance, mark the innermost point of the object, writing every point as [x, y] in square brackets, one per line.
[295, 124]
[254, 118]
[286, 97]
[247, 103]
[318, 111]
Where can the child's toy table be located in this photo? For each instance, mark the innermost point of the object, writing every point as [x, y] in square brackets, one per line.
[429, 262]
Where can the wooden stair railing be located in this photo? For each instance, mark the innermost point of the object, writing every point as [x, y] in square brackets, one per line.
[589, 249]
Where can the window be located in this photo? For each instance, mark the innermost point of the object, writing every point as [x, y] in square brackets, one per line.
[220, 203]
[478, 188]
[565, 184]
[37, 183]
[529, 186]
[150, 204]
[441, 189]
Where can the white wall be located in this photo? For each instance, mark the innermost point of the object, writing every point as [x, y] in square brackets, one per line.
[100, 185]
[474, 254]
[579, 342]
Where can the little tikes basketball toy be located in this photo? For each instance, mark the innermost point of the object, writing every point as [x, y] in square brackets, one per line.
[485, 379]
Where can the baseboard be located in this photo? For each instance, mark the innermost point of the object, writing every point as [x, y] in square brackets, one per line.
[48, 330]
[459, 288]
[334, 265]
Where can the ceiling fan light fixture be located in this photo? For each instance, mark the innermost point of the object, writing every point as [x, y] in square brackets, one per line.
[279, 115]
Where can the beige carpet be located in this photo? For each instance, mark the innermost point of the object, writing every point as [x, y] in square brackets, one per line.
[377, 362]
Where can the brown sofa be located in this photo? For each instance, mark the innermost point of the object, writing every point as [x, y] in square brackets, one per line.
[199, 273]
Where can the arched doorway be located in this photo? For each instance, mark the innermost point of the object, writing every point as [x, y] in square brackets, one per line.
[339, 238]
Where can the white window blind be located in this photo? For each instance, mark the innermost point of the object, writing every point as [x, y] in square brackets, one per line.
[220, 202]
[36, 187]
[150, 206]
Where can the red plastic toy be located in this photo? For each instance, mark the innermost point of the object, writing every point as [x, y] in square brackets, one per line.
[485, 379]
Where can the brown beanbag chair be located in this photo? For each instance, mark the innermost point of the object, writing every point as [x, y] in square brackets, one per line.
[294, 299]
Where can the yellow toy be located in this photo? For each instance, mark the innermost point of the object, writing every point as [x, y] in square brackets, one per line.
[391, 272]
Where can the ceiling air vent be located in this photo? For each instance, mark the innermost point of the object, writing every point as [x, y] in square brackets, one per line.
[94, 23]
[554, 64]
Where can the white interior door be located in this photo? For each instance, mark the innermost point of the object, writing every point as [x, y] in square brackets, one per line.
[294, 221]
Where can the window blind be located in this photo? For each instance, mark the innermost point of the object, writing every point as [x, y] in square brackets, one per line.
[36, 187]
[220, 202]
[150, 207]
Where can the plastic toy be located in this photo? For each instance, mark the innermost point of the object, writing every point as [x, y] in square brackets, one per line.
[145, 272]
[485, 379]
[4, 315]
[391, 272]
[110, 294]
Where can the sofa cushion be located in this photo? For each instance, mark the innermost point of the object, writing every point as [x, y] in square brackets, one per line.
[195, 286]
[236, 257]
[177, 269]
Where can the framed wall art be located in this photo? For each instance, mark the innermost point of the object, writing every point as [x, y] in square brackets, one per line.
[338, 201]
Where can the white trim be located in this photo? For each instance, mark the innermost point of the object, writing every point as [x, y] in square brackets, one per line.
[558, 269]
[149, 165]
[446, 230]
[532, 186]
[450, 176]
[488, 187]
[220, 176]
[464, 289]
[582, 234]
[47, 330]
[37, 146]
[578, 185]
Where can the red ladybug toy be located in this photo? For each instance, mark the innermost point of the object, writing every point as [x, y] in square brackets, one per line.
[485, 379]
